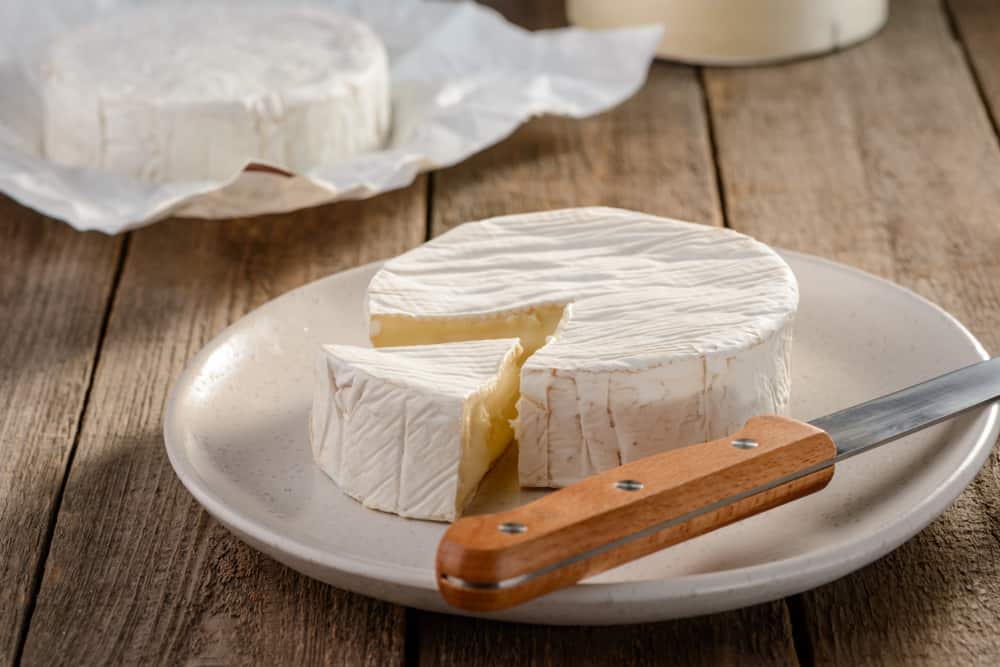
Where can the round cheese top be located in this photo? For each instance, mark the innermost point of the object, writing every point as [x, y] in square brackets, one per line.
[636, 290]
[206, 52]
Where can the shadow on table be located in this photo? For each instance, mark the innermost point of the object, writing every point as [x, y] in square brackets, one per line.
[137, 570]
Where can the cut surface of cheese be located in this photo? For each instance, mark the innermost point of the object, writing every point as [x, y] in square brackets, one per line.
[413, 430]
[189, 92]
[660, 333]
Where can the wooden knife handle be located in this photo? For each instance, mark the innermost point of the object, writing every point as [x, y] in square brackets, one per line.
[495, 561]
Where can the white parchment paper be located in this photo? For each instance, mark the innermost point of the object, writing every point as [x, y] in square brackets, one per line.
[463, 78]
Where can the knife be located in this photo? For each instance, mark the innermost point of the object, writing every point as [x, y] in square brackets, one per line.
[495, 561]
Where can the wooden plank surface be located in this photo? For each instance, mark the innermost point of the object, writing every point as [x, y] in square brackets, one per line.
[650, 154]
[54, 289]
[883, 157]
[978, 25]
[754, 636]
[653, 154]
[138, 573]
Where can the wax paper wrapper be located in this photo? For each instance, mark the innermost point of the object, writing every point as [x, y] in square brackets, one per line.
[463, 78]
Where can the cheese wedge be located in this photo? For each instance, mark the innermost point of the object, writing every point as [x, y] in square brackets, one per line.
[196, 91]
[414, 430]
[660, 333]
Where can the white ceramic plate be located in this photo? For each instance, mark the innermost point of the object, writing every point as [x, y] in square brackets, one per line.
[236, 433]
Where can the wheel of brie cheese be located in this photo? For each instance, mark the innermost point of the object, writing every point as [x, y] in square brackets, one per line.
[413, 430]
[660, 333]
[198, 91]
[640, 334]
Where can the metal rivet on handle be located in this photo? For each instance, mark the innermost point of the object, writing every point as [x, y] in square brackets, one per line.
[629, 485]
[744, 443]
[512, 527]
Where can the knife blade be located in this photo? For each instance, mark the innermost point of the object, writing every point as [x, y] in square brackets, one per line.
[495, 561]
[861, 427]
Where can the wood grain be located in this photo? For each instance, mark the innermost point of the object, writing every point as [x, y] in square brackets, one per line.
[650, 154]
[882, 156]
[138, 573]
[978, 26]
[653, 154]
[742, 638]
[54, 290]
[531, 14]
[594, 513]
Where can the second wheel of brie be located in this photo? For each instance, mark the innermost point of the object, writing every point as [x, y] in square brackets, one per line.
[195, 91]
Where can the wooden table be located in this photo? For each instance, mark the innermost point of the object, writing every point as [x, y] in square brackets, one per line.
[883, 156]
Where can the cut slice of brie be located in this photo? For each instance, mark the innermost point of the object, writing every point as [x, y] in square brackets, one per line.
[660, 333]
[413, 430]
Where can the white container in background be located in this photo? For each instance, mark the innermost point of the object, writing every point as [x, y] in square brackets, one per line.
[739, 32]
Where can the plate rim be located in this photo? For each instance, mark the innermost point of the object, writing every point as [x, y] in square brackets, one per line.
[785, 576]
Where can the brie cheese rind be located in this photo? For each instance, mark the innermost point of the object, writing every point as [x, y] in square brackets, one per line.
[413, 430]
[195, 92]
[660, 333]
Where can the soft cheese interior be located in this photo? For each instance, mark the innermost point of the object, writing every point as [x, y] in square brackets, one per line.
[413, 430]
[532, 325]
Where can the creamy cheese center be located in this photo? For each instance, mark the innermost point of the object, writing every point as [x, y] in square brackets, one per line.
[487, 430]
[532, 325]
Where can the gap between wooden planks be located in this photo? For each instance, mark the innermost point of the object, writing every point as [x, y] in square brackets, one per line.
[977, 24]
[54, 291]
[137, 572]
[883, 157]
